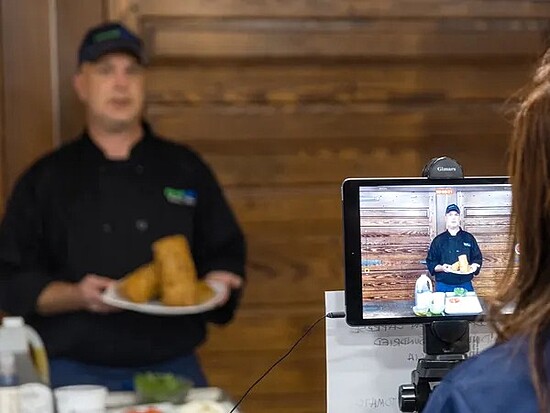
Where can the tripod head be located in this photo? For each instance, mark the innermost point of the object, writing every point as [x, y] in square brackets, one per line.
[446, 344]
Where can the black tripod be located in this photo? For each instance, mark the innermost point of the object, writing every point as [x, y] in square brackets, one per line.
[445, 345]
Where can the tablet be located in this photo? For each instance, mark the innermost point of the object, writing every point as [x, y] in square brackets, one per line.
[396, 229]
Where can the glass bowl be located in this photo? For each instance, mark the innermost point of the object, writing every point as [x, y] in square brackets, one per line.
[153, 387]
[459, 291]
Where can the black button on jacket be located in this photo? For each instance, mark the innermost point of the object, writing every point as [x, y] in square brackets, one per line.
[75, 212]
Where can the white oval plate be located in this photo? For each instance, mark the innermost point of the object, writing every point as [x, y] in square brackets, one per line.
[463, 273]
[111, 297]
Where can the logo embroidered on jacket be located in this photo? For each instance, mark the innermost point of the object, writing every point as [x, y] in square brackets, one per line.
[181, 196]
[467, 244]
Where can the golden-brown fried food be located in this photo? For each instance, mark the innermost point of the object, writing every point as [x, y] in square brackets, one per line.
[204, 292]
[455, 266]
[178, 275]
[141, 285]
[464, 265]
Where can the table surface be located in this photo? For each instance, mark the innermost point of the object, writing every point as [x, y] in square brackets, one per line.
[402, 310]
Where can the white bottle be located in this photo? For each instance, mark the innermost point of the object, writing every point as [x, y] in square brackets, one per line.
[8, 371]
[423, 292]
[9, 392]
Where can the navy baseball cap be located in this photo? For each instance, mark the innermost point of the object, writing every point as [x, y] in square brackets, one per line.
[110, 38]
[452, 207]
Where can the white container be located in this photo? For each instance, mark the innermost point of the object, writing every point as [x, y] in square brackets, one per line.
[81, 399]
[9, 399]
[438, 303]
[15, 338]
[8, 370]
[34, 398]
[423, 292]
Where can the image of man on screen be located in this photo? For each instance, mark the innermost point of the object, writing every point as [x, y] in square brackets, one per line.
[443, 260]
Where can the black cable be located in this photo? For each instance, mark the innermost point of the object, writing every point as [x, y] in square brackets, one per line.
[335, 314]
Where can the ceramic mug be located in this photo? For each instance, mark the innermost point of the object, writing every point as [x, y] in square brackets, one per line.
[81, 399]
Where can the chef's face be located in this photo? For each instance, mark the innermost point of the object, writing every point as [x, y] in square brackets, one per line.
[112, 88]
[452, 220]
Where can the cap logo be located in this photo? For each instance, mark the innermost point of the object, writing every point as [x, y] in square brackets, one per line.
[107, 35]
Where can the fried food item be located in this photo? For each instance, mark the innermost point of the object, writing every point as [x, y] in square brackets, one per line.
[141, 285]
[178, 275]
[463, 263]
[455, 266]
[204, 292]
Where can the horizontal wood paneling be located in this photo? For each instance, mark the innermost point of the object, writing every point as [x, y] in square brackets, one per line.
[367, 39]
[2, 135]
[393, 285]
[342, 8]
[302, 372]
[29, 112]
[264, 204]
[375, 120]
[73, 19]
[280, 333]
[330, 161]
[339, 83]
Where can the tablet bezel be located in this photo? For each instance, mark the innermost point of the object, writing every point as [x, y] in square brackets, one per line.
[352, 244]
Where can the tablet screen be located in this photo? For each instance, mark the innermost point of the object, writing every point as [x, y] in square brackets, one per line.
[405, 237]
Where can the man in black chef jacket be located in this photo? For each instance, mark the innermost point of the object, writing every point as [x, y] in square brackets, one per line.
[445, 250]
[85, 215]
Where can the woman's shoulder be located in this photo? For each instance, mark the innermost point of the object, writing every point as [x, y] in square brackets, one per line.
[497, 378]
[509, 356]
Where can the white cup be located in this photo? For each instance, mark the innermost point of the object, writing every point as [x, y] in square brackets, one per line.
[35, 397]
[9, 399]
[438, 303]
[81, 399]
[424, 300]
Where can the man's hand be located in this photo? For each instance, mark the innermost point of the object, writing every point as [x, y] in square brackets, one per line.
[64, 297]
[443, 268]
[475, 266]
[90, 289]
[230, 280]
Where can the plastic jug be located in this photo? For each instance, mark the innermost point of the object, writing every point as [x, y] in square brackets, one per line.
[423, 291]
[19, 339]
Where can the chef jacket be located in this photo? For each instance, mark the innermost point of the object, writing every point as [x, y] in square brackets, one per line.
[445, 249]
[75, 212]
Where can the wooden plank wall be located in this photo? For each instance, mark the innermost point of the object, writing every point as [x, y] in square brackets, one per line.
[285, 98]
[2, 138]
[29, 111]
[398, 228]
[489, 220]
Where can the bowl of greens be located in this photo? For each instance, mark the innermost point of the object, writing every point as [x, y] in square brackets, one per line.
[153, 387]
[460, 292]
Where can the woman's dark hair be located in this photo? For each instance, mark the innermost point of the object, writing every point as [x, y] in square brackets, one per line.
[526, 284]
